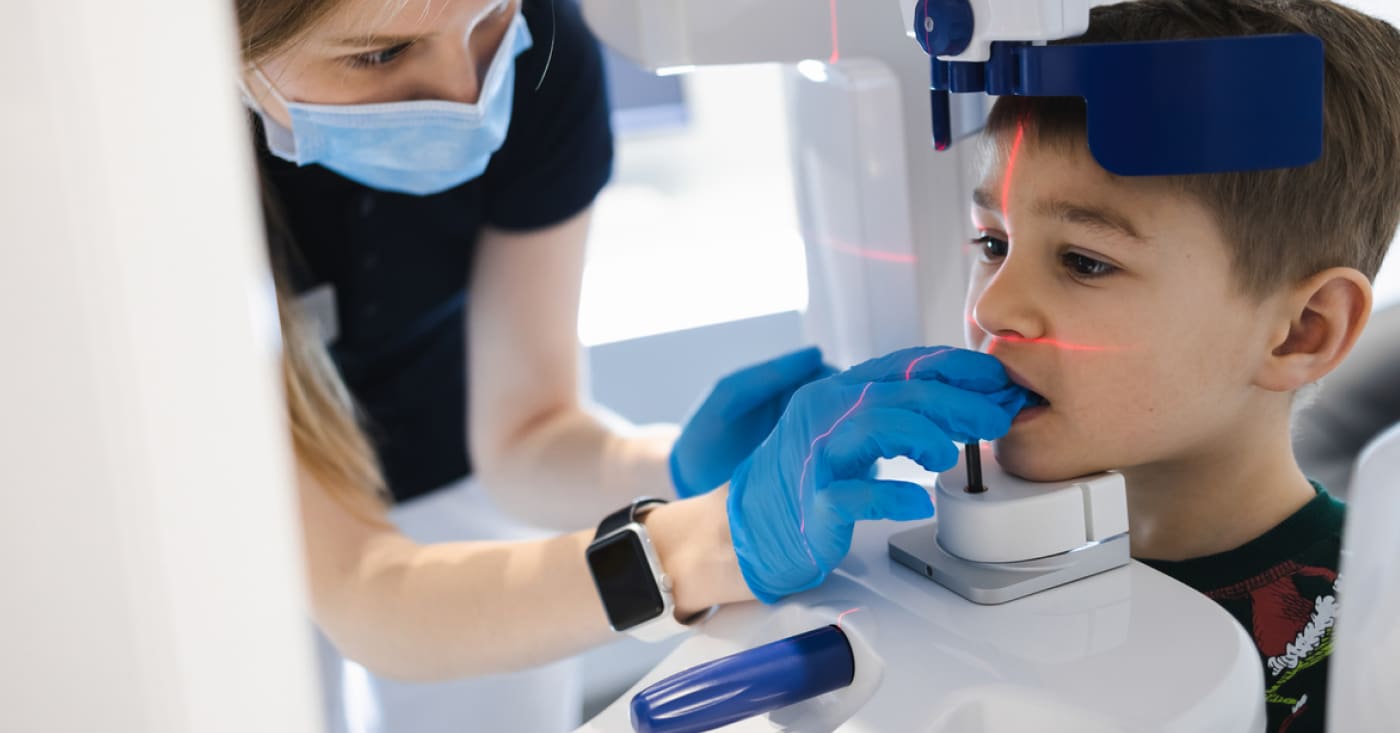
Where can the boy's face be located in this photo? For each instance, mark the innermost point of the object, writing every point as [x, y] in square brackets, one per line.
[1113, 299]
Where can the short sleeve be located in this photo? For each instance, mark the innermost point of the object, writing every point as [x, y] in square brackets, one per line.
[558, 153]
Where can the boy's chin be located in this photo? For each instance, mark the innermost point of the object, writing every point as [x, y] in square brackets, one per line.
[1044, 465]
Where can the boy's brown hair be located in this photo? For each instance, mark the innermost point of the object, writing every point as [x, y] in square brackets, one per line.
[1283, 225]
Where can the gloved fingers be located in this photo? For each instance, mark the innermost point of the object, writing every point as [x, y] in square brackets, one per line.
[855, 500]
[776, 378]
[960, 367]
[964, 416]
[970, 370]
[1013, 399]
[852, 448]
[822, 372]
[894, 365]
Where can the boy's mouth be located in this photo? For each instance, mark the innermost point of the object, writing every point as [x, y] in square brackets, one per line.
[1035, 406]
[1034, 398]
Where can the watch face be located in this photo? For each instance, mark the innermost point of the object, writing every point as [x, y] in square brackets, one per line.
[624, 580]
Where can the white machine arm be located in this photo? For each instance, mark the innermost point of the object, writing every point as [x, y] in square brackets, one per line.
[987, 21]
[668, 34]
[883, 216]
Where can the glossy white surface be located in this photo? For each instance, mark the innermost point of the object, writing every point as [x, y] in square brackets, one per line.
[1127, 650]
[1363, 676]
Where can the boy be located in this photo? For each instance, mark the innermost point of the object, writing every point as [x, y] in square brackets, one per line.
[1168, 323]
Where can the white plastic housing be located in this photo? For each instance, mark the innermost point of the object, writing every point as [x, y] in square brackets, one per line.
[152, 559]
[1015, 520]
[672, 34]
[1022, 20]
[1093, 656]
[1364, 676]
[853, 195]
[884, 216]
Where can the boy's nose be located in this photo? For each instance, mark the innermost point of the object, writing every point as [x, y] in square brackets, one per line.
[1006, 306]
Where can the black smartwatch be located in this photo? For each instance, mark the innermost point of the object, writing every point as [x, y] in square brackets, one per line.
[635, 590]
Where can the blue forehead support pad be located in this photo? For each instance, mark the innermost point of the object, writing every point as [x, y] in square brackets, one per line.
[1166, 107]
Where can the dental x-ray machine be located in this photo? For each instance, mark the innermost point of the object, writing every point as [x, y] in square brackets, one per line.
[181, 624]
[1036, 619]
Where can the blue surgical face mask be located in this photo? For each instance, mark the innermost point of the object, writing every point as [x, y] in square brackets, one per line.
[418, 147]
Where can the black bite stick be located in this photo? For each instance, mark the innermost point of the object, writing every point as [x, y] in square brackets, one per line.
[973, 454]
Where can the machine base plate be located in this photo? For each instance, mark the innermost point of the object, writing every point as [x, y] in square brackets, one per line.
[993, 583]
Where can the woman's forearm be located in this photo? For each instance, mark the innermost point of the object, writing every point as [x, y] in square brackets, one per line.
[421, 612]
[427, 612]
[572, 469]
[543, 454]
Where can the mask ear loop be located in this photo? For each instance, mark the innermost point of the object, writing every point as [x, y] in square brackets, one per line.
[281, 140]
[488, 12]
[266, 83]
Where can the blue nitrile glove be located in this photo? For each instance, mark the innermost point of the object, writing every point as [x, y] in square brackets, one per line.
[736, 416]
[794, 503]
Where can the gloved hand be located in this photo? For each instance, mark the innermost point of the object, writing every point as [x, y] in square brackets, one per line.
[736, 416]
[794, 503]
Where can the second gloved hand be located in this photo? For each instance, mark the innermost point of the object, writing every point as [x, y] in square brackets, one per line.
[794, 503]
[736, 416]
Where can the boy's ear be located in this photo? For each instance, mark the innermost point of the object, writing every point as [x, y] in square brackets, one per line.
[1320, 322]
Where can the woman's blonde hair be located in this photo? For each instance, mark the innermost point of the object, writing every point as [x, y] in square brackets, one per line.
[268, 26]
[326, 435]
[326, 432]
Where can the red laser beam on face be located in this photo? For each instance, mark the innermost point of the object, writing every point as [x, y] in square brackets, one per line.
[1053, 343]
[1010, 171]
[1006, 219]
[835, 36]
[802, 482]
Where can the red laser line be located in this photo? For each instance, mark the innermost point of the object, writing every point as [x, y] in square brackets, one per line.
[1010, 171]
[909, 372]
[802, 482]
[1042, 341]
[812, 449]
[846, 613]
[1054, 343]
[871, 254]
[835, 36]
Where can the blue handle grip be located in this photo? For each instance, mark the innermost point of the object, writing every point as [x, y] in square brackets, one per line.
[746, 684]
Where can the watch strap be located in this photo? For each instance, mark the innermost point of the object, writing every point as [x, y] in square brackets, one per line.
[626, 515]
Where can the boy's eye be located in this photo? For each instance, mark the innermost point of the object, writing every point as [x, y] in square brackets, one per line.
[382, 57]
[992, 248]
[1086, 267]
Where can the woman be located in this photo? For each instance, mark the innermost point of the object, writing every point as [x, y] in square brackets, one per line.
[440, 234]
[428, 171]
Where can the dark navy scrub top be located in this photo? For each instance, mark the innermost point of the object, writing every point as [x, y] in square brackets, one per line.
[399, 264]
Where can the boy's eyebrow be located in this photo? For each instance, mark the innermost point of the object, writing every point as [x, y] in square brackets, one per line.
[1096, 217]
[985, 199]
